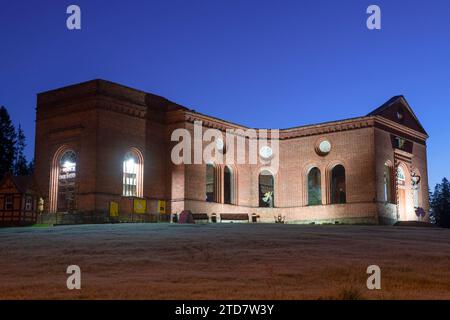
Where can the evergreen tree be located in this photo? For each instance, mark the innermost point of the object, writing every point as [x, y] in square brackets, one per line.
[445, 203]
[434, 196]
[7, 142]
[20, 163]
[440, 203]
[31, 167]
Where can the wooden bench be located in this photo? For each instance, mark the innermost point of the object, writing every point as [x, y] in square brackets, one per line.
[234, 217]
[200, 217]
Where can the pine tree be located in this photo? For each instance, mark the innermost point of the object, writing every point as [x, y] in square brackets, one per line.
[445, 203]
[20, 162]
[440, 203]
[7, 142]
[434, 200]
[31, 166]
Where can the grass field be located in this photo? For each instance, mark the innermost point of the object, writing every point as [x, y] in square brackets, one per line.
[224, 261]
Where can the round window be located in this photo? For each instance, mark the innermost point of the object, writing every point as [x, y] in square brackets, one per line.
[323, 148]
[266, 152]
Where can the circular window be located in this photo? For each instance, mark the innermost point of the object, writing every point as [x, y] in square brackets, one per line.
[266, 152]
[323, 147]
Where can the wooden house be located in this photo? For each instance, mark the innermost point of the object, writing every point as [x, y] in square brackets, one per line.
[19, 200]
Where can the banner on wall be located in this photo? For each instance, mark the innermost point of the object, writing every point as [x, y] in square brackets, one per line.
[113, 209]
[139, 206]
[161, 206]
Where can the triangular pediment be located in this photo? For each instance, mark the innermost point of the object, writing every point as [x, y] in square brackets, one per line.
[398, 110]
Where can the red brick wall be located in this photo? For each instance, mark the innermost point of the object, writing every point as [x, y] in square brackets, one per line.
[101, 121]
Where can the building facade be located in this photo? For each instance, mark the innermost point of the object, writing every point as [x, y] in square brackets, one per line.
[99, 143]
[19, 200]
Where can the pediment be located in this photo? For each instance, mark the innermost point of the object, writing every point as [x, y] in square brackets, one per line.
[398, 110]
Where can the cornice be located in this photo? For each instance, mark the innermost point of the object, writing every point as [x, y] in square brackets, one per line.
[325, 128]
[284, 134]
[415, 135]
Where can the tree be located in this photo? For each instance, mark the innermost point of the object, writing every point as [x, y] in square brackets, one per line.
[440, 203]
[20, 162]
[31, 167]
[7, 142]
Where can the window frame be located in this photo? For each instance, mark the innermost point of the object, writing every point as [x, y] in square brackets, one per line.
[11, 202]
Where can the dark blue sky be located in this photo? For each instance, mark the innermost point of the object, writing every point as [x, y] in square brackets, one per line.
[271, 64]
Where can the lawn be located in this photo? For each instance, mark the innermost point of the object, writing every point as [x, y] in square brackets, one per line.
[224, 261]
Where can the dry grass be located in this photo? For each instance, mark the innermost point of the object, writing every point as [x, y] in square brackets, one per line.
[224, 261]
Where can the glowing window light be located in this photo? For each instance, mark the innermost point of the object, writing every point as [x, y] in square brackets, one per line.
[130, 165]
[130, 170]
[69, 164]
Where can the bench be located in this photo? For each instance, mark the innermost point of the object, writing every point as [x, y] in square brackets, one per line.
[200, 217]
[234, 217]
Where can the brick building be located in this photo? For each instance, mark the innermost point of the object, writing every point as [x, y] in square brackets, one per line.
[99, 142]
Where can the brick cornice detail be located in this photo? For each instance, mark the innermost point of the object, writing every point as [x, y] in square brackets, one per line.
[287, 133]
[135, 111]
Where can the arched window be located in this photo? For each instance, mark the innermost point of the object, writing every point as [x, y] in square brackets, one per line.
[133, 174]
[209, 181]
[401, 178]
[314, 187]
[388, 184]
[227, 185]
[266, 190]
[338, 194]
[67, 174]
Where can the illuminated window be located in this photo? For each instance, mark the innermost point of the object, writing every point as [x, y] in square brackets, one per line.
[130, 171]
[401, 175]
[210, 182]
[67, 181]
[314, 188]
[338, 194]
[266, 189]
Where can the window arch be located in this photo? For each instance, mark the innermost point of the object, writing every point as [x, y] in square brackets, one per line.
[133, 165]
[63, 180]
[314, 187]
[338, 191]
[67, 174]
[227, 185]
[266, 189]
[210, 183]
[388, 183]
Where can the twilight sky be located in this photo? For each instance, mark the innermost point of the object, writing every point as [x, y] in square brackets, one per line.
[272, 64]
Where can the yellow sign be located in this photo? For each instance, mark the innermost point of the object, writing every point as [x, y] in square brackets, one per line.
[161, 206]
[140, 206]
[113, 209]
